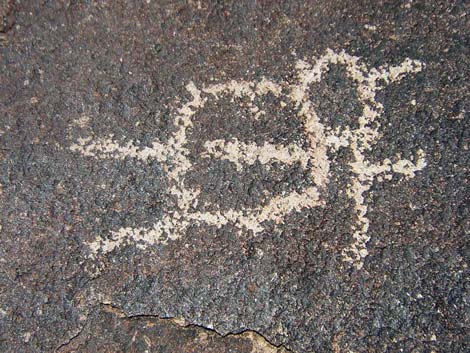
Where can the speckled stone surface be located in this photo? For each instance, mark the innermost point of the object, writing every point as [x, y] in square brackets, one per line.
[193, 176]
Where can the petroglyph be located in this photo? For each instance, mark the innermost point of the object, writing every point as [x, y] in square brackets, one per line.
[241, 153]
[314, 158]
[358, 140]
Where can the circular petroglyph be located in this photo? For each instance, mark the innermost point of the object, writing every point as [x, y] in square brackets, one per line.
[323, 139]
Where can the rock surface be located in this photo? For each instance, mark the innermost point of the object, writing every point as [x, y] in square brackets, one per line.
[234, 176]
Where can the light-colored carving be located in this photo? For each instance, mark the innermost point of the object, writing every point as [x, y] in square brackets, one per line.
[321, 140]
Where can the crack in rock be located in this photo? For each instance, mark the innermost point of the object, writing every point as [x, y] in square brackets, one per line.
[108, 328]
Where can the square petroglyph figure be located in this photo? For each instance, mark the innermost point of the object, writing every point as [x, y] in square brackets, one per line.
[322, 140]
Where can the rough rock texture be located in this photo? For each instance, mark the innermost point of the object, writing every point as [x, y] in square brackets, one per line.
[295, 170]
[110, 330]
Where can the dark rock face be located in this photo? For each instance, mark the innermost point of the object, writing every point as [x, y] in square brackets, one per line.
[297, 171]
